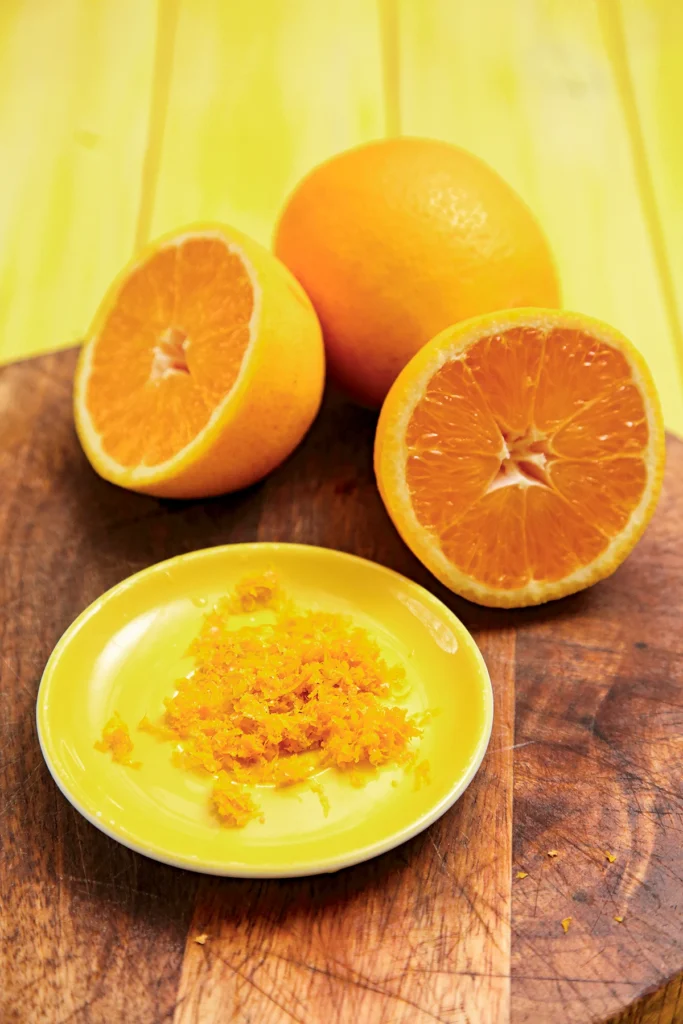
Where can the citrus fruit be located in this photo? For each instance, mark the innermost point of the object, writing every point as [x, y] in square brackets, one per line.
[203, 369]
[398, 239]
[520, 454]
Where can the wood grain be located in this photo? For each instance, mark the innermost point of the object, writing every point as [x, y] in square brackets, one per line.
[597, 770]
[90, 932]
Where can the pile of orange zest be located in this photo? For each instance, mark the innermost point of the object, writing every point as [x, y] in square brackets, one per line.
[277, 702]
[255, 593]
[116, 738]
[232, 803]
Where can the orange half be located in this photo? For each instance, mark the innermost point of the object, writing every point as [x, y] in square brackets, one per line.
[520, 454]
[203, 369]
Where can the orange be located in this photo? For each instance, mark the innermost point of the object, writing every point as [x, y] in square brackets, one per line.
[520, 454]
[203, 369]
[396, 240]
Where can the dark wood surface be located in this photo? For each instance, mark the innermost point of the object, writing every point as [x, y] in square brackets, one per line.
[438, 930]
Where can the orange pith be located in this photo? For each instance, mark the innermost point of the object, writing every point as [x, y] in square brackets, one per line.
[521, 455]
[170, 349]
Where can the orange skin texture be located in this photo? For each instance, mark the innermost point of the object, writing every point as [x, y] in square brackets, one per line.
[395, 240]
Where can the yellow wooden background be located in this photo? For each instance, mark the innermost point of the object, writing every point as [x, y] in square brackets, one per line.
[120, 119]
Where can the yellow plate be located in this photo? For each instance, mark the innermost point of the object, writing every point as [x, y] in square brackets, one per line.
[126, 651]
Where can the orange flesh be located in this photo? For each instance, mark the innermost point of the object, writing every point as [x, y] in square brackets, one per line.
[525, 455]
[170, 350]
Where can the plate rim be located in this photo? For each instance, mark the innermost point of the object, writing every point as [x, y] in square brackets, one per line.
[225, 869]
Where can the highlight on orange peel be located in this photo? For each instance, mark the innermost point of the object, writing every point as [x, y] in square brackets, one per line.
[203, 369]
[520, 454]
[397, 239]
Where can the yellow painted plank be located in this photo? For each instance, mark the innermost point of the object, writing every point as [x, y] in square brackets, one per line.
[261, 92]
[530, 88]
[74, 107]
[645, 38]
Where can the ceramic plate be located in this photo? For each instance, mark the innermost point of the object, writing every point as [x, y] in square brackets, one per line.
[125, 652]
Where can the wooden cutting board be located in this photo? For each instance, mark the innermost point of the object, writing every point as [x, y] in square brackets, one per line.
[587, 740]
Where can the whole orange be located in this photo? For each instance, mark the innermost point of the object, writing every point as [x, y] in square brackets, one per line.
[395, 240]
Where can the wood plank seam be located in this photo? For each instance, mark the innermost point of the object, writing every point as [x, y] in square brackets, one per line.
[391, 66]
[167, 23]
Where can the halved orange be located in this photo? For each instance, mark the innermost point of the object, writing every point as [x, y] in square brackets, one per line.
[203, 369]
[520, 454]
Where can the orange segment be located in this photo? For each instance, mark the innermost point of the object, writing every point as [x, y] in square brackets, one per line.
[584, 367]
[520, 454]
[434, 477]
[498, 561]
[506, 368]
[601, 491]
[213, 287]
[559, 540]
[203, 368]
[451, 399]
[615, 424]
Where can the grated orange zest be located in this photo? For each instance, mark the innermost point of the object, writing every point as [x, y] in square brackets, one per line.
[116, 739]
[232, 803]
[276, 702]
[255, 593]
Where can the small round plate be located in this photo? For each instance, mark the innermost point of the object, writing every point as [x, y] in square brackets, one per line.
[127, 650]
